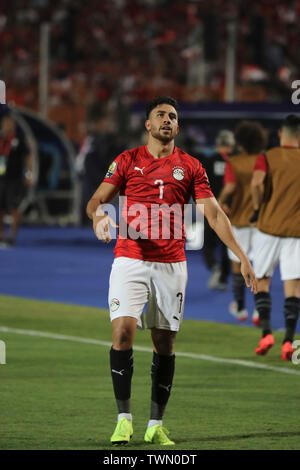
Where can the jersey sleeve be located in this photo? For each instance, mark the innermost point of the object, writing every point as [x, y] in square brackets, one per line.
[261, 164]
[117, 171]
[200, 185]
[229, 176]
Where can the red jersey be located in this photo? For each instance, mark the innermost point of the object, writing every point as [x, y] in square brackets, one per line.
[229, 176]
[261, 164]
[154, 186]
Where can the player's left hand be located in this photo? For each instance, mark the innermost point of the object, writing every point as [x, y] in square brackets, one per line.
[248, 275]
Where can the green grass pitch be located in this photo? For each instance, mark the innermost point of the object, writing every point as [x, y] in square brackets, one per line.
[57, 394]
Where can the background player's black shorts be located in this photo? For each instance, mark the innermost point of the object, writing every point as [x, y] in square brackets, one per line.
[11, 194]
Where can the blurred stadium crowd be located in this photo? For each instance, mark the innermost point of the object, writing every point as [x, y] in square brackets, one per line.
[123, 51]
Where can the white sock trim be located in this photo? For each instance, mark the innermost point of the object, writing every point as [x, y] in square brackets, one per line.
[154, 422]
[125, 415]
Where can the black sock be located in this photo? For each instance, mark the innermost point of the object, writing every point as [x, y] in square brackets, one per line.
[162, 373]
[121, 365]
[263, 305]
[291, 313]
[238, 287]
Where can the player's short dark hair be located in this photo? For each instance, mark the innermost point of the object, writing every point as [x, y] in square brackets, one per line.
[292, 123]
[251, 136]
[160, 100]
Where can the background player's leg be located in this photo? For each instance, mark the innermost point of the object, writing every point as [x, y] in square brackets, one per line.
[2, 230]
[225, 264]
[237, 307]
[291, 314]
[263, 305]
[209, 255]
[162, 372]
[16, 217]
[238, 285]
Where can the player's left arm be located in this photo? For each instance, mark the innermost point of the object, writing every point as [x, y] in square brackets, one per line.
[220, 223]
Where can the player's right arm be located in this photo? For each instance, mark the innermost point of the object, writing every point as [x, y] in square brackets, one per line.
[101, 221]
[108, 189]
[258, 184]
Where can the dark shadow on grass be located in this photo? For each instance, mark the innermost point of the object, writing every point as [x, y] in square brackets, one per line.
[241, 436]
[94, 444]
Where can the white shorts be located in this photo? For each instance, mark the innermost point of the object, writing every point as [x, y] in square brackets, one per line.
[133, 283]
[245, 237]
[270, 250]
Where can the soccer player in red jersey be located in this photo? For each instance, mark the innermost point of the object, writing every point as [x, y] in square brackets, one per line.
[152, 268]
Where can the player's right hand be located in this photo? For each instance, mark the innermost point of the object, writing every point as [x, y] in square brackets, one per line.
[101, 225]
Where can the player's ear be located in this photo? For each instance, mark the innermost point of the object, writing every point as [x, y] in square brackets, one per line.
[147, 125]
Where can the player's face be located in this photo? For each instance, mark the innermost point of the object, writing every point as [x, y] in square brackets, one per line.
[163, 123]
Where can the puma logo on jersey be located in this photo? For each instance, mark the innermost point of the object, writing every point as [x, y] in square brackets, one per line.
[139, 169]
[120, 372]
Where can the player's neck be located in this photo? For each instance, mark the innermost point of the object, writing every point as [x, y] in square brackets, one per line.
[160, 150]
[289, 142]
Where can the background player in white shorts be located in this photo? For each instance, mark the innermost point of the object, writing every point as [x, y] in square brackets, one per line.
[250, 138]
[276, 200]
[153, 268]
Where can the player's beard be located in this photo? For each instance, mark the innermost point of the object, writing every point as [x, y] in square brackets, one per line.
[165, 139]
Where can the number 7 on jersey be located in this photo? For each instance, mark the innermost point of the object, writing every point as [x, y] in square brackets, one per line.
[161, 188]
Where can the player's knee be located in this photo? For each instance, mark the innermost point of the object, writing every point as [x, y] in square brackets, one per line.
[163, 342]
[123, 339]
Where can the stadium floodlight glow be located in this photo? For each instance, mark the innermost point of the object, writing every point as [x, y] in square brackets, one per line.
[2, 92]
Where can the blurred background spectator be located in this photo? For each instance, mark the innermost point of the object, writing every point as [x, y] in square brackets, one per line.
[98, 150]
[214, 251]
[123, 51]
[78, 76]
[15, 174]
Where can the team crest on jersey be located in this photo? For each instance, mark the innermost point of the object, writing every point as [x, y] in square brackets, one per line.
[178, 173]
[111, 170]
[114, 305]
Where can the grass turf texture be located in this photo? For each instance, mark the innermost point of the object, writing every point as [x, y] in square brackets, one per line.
[58, 394]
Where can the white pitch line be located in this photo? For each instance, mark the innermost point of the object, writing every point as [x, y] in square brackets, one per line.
[44, 334]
